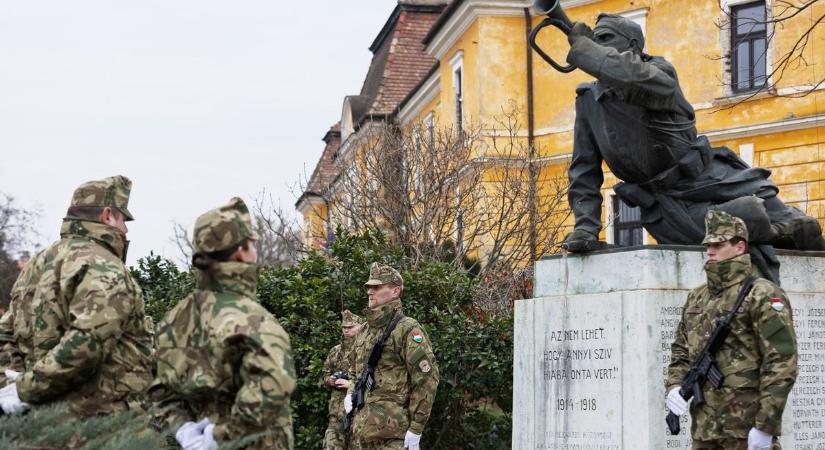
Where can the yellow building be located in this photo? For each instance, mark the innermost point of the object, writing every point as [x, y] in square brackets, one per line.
[482, 65]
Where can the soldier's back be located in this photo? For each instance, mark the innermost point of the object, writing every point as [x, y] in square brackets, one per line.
[85, 291]
[228, 359]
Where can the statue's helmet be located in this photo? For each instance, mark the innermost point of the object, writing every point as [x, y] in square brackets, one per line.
[621, 26]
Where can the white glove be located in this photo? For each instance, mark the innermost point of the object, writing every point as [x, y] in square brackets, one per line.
[190, 435]
[759, 440]
[411, 440]
[348, 403]
[12, 374]
[10, 401]
[209, 437]
[675, 403]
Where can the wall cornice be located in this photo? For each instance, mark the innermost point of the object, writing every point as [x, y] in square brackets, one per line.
[470, 10]
[422, 97]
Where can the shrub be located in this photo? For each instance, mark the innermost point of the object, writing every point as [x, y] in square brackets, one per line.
[473, 347]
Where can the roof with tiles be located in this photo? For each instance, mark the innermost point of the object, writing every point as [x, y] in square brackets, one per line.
[399, 62]
[439, 24]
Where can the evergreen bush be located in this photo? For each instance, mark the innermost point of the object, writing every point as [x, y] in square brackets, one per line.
[473, 347]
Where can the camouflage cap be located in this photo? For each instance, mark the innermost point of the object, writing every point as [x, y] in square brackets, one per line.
[112, 192]
[383, 274]
[221, 228]
[722, 227]
[348, 319]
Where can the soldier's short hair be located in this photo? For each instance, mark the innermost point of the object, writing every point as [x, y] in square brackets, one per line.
[112, 192]
[89, 212]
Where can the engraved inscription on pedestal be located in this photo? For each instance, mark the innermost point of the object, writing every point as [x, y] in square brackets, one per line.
[804, 418]
[590, 375]
[668, 317]
[582, 377]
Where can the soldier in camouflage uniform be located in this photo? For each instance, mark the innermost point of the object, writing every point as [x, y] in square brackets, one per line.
[223, 359]
[16, 324]
[758, 358]
[406, 377]
[334, 438]
[91, 344]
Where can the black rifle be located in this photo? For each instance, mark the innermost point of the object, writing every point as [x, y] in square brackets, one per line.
[367, 379]
[704, 367]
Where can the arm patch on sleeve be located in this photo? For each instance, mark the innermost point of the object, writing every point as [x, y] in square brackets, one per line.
[777, 334]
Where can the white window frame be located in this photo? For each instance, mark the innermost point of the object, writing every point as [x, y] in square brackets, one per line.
[609, 230]
[746, 153]
[726, 61]
[418, 158]
[457, 66]
[429, 122]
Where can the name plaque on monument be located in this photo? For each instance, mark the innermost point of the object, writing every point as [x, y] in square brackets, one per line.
[590, 365]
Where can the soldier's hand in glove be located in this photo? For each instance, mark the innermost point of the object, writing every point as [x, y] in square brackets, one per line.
[10, 401]
[580, 241]
[348, 403]
[209, 442]
[675, 403]
[579, 30]
[11, 374]
[759, 440]
[190, 435]
[411, 440]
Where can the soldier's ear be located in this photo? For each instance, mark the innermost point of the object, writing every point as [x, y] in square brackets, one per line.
[107, 215]
[741, 247]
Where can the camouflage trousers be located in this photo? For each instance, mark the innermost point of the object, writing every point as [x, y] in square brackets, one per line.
[729, 444]
[334, 438]
[388, 444]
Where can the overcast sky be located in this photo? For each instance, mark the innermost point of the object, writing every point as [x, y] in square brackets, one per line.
[195, 101]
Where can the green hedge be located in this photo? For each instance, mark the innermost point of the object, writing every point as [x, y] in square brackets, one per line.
[474, 348]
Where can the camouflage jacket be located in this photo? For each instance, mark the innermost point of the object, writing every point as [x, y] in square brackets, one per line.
[336, 360]
[16, 324]
[223, 356]
[91, 345]
[758, 358]
[406, 377]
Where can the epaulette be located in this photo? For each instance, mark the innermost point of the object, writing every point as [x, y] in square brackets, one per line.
[581, 88]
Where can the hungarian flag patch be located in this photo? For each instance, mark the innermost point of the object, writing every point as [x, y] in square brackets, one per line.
[418, 337]
[776, 304]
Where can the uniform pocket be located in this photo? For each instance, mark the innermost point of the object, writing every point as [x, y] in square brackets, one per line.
[738, 415]
[384, 420]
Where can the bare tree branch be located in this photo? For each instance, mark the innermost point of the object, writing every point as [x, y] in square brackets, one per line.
[442, 193]
[279, 243]
[785, 15]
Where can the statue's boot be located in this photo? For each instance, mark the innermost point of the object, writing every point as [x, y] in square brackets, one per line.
[800, 233]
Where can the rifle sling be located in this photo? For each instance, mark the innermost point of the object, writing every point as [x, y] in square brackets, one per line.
[378, 348]
[746, 289]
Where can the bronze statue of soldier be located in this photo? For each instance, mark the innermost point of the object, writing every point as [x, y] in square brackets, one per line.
[635, 118]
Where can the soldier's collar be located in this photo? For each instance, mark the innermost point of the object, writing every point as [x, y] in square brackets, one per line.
[600, 90]
[381, 315]
[107, 236]
[230, 276]
[727, 273]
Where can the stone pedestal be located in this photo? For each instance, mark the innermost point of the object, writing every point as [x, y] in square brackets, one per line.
[591, 350]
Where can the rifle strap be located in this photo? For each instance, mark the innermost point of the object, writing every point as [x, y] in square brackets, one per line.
[378, 348]
[743, 292]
